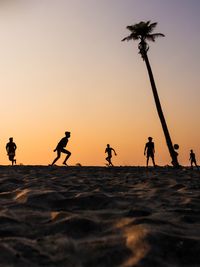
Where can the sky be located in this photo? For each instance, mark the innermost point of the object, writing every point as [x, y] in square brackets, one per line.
[63, 67]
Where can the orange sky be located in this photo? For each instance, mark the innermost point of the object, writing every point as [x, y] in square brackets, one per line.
[63, 67]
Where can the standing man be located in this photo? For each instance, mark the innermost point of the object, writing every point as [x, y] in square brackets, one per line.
[10, 148]
[60, 149]
[193, 159]
[149, 151]
[109, 151]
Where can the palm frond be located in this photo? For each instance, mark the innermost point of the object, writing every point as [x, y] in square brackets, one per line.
[152, 37]
[132, 36]
[130, 28]
[142, 31]
[124, 39]
[152, 26]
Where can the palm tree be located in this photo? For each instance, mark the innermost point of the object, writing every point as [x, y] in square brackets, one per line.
[143, 32]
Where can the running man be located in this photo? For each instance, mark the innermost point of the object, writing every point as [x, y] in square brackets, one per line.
[109, 151]
[193, 159]
[60, 149]
[149, 151]
[10, 148]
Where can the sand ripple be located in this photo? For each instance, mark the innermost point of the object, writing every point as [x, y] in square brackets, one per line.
[96, 217]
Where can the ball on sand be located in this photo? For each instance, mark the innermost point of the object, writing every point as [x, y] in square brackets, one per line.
[176, 146]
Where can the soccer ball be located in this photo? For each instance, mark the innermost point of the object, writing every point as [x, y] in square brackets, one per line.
[176, 146]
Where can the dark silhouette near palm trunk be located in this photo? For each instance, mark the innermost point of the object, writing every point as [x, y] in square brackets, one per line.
[149, 151]
[143, 32]
[192, 159]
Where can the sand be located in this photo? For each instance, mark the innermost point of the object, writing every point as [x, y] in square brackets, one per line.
[96, 216]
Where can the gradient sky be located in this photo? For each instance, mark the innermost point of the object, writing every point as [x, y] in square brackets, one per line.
[63, 67]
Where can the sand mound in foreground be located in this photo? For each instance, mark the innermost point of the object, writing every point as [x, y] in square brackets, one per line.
[95, 216]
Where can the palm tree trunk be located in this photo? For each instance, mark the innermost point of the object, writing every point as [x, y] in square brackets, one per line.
[172, 152]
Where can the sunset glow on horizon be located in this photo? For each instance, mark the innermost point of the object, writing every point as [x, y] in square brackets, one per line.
[64, 68]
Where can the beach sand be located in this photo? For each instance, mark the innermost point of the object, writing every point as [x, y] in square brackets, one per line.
[98, 216]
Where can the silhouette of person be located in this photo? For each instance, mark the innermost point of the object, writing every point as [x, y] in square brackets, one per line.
[176, 147]
[193, 159]
[109, 151]
[60, 149]
[149, 151]
[10, 148]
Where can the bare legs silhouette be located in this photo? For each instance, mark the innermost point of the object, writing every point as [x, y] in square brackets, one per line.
[59, 154]
[10, 148]
[149, 151]
[60, 149]
[193, 159]
[109, 151]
